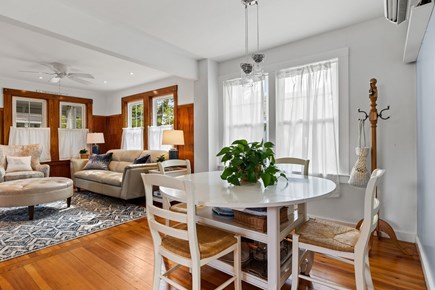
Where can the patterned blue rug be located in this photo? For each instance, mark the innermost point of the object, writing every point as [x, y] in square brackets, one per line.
[55, 223]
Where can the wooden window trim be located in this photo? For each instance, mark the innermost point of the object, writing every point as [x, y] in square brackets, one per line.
[147, 98]
[53, 114]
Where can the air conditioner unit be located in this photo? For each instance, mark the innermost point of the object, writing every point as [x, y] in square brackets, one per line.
[395, 10]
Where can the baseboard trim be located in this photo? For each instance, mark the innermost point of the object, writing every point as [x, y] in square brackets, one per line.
[430, 282]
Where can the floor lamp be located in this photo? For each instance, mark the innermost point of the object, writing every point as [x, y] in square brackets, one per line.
[173, 137]
[95, 139]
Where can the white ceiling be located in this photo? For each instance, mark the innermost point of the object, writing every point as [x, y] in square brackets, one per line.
[154, 39]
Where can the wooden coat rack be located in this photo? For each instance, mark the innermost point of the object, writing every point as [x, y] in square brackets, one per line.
[373, 116]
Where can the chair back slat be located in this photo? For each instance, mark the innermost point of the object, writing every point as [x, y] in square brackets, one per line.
[371, 207]
[170, 215]
[297, 161]
[167, 230]
[174, 163]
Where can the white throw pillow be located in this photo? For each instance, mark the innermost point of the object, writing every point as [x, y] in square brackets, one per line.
[18, 163]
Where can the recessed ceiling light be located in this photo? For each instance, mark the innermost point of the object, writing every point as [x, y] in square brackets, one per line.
[40, 77]
[132, 74]
[105, 82]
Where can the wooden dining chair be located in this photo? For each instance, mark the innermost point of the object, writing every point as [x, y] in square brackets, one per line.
[188, 244]
[305, 163]
[343, 243]
[163, 168]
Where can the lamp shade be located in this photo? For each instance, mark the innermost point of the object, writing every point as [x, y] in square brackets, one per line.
[95, 138]
[173, 137]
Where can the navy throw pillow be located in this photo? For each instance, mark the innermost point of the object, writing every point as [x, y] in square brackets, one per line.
[99, 162]
[142, 160]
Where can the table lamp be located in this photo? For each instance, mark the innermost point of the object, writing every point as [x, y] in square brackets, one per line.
[94, 139]
[173, 137]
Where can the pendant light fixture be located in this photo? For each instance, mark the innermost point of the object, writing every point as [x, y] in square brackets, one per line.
[252, 69]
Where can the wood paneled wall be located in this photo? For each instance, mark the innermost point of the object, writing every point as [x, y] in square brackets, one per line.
[111, 126]
[147, 99]
[185, 122]
[57, 167]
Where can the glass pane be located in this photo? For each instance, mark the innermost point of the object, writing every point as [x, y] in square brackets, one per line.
[71, 117]
[35, 108]
[22, 107]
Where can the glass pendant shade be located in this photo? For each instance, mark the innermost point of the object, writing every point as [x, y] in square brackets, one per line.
[252, 71]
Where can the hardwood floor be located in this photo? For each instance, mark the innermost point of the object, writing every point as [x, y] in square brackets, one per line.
[121, 258]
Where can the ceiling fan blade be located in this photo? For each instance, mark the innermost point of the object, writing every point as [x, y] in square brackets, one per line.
[55, 80]
[80, 81]
[36, 72]
[59, 67]
[81, 75]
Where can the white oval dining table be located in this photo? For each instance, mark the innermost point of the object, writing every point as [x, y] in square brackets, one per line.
[211, 191]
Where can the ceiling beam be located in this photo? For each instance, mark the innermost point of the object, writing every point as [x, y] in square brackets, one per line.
[53, 18]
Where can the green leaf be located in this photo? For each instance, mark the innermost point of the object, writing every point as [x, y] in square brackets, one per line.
[223, 151]
[233, 180]
[268, 145]
[227, 172]
[266, 179]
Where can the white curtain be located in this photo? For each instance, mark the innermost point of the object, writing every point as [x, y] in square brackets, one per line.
[307, 116]
[155, 134]
[25, 136]
[70, 142]
[132, 138]
[245, 111]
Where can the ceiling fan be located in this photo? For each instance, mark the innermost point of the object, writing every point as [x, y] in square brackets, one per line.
[61, 71]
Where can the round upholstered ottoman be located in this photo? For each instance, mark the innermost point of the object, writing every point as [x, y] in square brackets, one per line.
[32, 191]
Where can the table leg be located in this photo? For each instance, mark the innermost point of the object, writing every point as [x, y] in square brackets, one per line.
[31, 210]
[273, 248]
[302, 209]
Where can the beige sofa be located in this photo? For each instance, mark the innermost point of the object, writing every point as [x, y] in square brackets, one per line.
[122, 180]
[32, 150]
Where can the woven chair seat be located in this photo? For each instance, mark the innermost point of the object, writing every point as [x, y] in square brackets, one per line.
[179, 207]
[211, 242]
[328, 235]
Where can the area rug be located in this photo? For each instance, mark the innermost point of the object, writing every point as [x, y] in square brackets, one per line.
[56, 223]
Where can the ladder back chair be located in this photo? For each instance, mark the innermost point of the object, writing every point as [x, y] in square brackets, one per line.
[341, 242]
[163, 168]
[188, 244]
[305, 164]
[292, 160]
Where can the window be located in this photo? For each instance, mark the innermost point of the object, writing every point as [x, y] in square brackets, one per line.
[162, 119]
[307, 111]
[163, 111]
[135, 114]
[245, 111]
[72, 116]
[29, 113]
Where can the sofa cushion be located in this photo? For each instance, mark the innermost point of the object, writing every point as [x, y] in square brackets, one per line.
[122, 158]
[99, 161]
[142, 160]
[33, 150]
[22, 175]
[16, 163]
[100, 176]
[154, 154]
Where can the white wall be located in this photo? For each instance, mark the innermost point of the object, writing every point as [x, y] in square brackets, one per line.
[426, 153]
[185, 93]
[375, 50]
[206, 116]
[98, 98]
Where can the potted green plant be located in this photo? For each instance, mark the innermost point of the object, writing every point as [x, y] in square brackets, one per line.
[84, 153]
[161, 158]
[248, 162]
